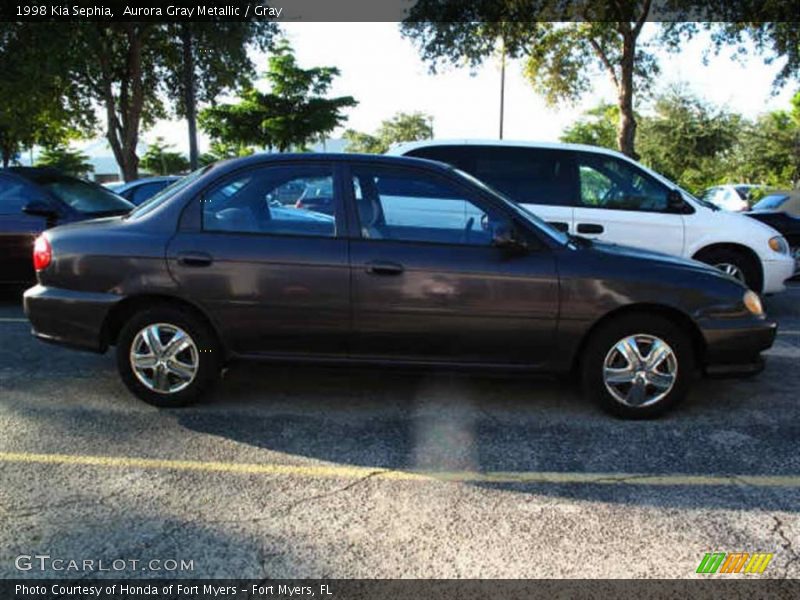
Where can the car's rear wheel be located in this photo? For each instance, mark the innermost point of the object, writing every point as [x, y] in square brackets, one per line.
[735, 263]
[167, 357]
[638, 366]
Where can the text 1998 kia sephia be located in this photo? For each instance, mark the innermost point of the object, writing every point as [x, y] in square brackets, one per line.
[411, 262]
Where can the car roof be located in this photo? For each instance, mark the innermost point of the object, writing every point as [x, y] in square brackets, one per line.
[402, 148]
[266, 158]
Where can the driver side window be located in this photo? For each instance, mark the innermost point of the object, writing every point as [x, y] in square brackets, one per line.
[607, 182]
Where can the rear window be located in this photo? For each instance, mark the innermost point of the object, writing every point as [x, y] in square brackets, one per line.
[83, 196]
[771, 202]
[526, 175]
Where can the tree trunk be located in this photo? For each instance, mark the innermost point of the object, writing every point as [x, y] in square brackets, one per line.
[626, 134]
[189, 92]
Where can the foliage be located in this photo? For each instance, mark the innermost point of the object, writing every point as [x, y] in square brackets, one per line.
[686, 139]
[698, 145]
[222, 151]
[292, 114]
[159, 159]
[38, 106]
[66, 160]
[560, 58]
[402, 127]
[597, 127]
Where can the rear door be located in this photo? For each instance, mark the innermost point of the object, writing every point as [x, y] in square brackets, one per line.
[621, 203]
[543, 180]
[273, 276]
[428, 284]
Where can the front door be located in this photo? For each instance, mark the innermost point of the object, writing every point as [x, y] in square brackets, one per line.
[429, 285]
[620, 203]
[274, 276]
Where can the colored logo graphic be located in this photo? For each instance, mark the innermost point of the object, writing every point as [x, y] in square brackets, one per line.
[734, 562]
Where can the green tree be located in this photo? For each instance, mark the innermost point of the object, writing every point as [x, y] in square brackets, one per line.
[205, 59]
[402, 127]
[768, 151]
[66, 160]
[560, 58]
[160, 159]
[39, 106]
[222, 151]
[597, 127]
[688, 140]
[292, 114]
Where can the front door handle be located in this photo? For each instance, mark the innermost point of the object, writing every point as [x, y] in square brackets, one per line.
[590, 228]
[560, 225]
[195, 259]
[382, 267]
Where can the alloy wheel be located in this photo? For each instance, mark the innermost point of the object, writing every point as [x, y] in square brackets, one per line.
[164, 358]
[732, 270]
[640, 370]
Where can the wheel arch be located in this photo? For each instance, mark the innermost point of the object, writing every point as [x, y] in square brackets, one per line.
[122, 311]
[741, 248]
[679, 317]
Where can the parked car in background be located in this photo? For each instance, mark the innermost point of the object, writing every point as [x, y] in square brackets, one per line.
[734, 197]
[214, 269]
[601, 194]
[143, 189]
[781, 211]
[35, 199]
[780, 201]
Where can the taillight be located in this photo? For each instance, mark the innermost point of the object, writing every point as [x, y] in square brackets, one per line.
[42, 253]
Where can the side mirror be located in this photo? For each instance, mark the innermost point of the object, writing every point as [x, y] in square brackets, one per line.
[505, 237]
[675, 202]
[40, 208]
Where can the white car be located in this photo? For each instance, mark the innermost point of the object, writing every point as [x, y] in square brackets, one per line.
[731, 196]
[599, 193]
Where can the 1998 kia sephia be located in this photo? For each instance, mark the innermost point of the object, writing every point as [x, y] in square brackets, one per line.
[412, 262]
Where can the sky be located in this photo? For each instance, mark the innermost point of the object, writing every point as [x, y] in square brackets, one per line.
[384, 72]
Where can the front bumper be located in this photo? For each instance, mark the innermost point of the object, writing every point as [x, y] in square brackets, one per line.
[776, 272]
[68, 317]
[733, 346]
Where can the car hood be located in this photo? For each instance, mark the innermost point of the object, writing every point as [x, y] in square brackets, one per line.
[667, 260]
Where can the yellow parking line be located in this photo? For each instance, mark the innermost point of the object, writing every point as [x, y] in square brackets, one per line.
[355, 472]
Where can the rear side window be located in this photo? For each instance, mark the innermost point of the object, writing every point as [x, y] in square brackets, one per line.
[273, 200]
[526, 175]
[14, 194]
[142, 192]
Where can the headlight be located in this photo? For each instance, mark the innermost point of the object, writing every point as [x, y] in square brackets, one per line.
[779, 245]
[753, 303]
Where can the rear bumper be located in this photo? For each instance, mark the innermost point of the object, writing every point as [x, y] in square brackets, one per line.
[734, 346]
[776, 272]
[68, 317]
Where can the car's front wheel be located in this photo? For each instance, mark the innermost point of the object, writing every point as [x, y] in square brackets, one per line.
[735, 263]
[167, 357]
[638, 366]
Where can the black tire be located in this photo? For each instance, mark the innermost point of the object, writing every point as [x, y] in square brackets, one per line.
[208, 359]
[748, 265]
[600, 345]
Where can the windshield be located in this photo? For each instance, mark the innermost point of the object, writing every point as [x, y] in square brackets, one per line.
[771, 202]
[84, 197]
[544, 226]
[168, 192]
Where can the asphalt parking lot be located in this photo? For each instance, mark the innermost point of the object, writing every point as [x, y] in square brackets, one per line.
[305, 472]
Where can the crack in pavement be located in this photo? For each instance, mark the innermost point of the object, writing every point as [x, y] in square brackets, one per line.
[787, 545]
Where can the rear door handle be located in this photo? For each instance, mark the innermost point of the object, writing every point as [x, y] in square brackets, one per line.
[590, 228]
[195, 259]
[381, 267]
